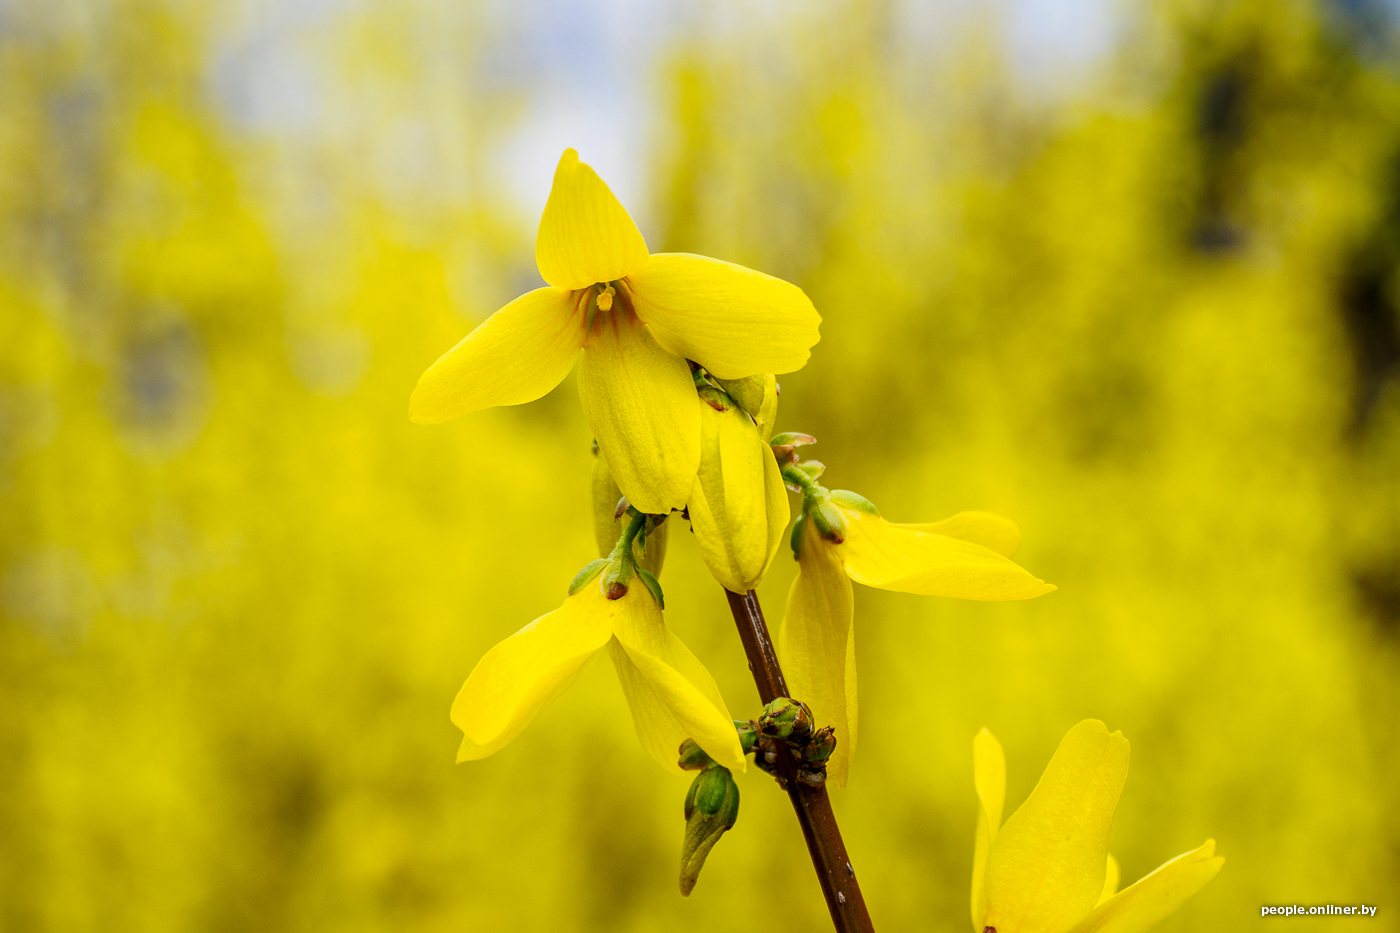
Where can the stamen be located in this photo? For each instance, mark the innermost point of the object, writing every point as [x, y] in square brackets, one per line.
[605, 298]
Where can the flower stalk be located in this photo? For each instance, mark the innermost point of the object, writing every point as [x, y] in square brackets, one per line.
[811, 804]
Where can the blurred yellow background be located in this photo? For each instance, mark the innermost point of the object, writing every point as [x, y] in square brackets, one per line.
[1137, 291]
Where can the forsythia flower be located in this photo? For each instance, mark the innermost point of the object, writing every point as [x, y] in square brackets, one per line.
[637, 318]
[1048, 869]
[840, 537]
[671, 694]
[738, 508]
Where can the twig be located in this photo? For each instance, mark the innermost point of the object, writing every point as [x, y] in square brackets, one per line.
[834, 871]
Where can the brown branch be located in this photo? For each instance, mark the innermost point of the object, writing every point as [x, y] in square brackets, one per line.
[813, 807]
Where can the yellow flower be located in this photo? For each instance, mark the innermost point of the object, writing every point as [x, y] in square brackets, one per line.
[966, 556]
[738, 508]
[671, 694]
[1048, 869]
[637, 318]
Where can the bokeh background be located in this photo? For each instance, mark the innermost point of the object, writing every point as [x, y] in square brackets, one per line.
[1124, 272]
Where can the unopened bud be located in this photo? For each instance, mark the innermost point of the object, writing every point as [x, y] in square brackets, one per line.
[711, 807]
[820, 746]
[786, 719]
[748, 736]
[693, 757]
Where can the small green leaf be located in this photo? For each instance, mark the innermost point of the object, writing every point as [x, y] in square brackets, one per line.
[853, 500]
[652, 584]
[799, 528]
[587, 573]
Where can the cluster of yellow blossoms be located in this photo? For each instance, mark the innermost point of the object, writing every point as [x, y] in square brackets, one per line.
[677, 382]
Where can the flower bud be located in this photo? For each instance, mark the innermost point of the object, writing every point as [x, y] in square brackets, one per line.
[711, 807]
[747, 736]
[693, 757]
[737, 508]
[819, 748]
[608, 524]
[786, 719]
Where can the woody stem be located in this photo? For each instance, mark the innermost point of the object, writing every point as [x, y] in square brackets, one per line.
[813, 807]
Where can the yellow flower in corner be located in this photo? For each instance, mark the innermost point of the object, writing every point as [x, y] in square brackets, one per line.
[637, 318]
[671, 695]
[1048, 869]
[840, 537]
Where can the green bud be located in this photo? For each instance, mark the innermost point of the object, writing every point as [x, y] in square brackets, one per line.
[747, 736]
[819, 748]
[829, 520]
[711, 807]
[786, 719]
[587, 573]
[851, 500]
[812, 468]
[693, 757]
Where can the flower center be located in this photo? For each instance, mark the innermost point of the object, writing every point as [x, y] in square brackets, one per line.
[602, 302]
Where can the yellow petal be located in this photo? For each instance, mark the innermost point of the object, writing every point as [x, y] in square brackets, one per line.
[894, 557]
[1111, 876]
[1046, 865]
[992, 531]
[778, 510]
[816, 647]
[1143, 905]
[585, 235]
[608, 526]
[671, 694]
[729, 504]
[523, 674]
[989, 777]
[514, 356]
[640, 402]
[733, 321]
